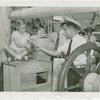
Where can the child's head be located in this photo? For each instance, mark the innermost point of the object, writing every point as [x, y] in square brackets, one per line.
[35, 31]
[21, 26]
[37, 22]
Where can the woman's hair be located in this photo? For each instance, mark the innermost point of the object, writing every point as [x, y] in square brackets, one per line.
[37, 20]
[19, 23]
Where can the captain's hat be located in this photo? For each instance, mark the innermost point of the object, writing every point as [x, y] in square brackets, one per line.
[58, 18]
[72, 21]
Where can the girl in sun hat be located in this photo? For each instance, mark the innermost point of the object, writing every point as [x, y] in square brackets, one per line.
[68, 19]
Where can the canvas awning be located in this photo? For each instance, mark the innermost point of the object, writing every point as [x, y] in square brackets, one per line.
[50, 11]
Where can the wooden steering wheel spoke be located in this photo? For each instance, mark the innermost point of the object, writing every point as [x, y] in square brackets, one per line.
[77, 72]
[72, 87]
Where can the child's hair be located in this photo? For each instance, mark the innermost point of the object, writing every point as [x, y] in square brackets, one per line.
[19, 23]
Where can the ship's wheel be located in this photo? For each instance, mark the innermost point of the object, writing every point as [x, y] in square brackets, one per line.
[88, 80]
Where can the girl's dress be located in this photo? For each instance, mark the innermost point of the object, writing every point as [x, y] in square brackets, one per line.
[22, 38]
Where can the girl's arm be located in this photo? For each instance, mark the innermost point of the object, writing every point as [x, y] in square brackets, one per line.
[49, 52]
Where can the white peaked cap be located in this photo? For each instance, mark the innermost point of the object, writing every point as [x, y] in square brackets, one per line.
[72, 21]
[58, 18]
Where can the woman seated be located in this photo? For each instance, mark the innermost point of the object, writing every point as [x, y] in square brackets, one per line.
[39, 32]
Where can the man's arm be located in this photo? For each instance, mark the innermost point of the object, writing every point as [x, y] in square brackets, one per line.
[49, 52]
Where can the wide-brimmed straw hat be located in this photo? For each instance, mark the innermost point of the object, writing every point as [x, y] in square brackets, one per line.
[68, 19]
[64, 19]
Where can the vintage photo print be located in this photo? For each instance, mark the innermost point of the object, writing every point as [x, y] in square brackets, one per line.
[51, 47]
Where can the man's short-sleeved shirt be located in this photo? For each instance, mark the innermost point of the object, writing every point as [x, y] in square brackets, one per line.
[76, 42]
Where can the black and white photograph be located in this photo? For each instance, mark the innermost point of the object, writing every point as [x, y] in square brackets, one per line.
[55, 49]
[49, 49]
